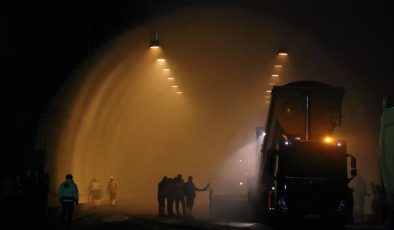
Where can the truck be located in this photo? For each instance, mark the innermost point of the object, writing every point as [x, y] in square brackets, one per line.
[386, 158]
[304, 168]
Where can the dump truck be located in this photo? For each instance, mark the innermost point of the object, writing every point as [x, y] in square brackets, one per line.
[386, 159]
[305, 170]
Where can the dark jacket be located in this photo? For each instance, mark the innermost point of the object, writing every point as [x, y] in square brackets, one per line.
[190, 189]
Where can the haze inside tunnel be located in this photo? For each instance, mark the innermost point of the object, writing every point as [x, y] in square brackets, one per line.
[120, 116]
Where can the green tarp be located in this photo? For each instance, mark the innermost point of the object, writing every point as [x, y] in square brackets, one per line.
[386, 149]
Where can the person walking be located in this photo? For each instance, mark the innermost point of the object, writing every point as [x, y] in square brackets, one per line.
[162, 190]
[179, 194]
[190, 193]
[95, 191]
[68, 196]
[112, 189]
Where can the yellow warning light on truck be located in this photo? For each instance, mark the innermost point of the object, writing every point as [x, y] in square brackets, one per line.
[328, 140]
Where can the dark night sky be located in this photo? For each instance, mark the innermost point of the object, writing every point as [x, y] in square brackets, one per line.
[43, 43]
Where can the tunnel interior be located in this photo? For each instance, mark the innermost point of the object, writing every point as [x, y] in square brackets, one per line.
[120, 116]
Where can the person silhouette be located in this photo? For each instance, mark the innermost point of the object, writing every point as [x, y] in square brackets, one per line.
[95, 190]
[112, 189]
[190, 193]
[179, 194]
[170, 197]
[68, 196]
[162, 190]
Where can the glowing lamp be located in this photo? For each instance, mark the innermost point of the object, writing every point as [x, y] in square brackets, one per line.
[282, 52]
[174, 86]
[328, 140]
[155, 43]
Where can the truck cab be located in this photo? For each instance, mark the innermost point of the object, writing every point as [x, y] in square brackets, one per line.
[309, 181]
[304, 170]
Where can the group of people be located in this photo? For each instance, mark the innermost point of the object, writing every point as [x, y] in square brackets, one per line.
[96, 191]
[172, 190]
[69, 195]
[33, 188]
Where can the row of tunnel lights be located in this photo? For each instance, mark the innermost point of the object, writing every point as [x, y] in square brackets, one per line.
[155, 44]
[275, 76]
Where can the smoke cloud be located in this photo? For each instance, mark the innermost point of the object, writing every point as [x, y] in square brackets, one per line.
[120, 117]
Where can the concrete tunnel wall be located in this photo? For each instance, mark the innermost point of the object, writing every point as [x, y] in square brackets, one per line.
[118, 115]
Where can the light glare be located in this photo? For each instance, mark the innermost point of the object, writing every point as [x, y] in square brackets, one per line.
[328, 139]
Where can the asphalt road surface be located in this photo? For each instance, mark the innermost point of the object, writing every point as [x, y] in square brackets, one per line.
[106, 217]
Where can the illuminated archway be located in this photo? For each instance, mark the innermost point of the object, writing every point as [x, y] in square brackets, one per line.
[120, 117]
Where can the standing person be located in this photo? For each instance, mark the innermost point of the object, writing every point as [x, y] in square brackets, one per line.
[95, 190]
[377, 203]
[112, 189]
[349, 205]
[179, 194]
[170, 197]
[190, 193]
[162, 190]
[28, 192]
[68, 193]
[43, 186]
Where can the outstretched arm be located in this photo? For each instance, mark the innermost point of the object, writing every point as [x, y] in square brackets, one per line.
[202, 190]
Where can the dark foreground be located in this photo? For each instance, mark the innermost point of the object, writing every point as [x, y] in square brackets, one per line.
[105, 217]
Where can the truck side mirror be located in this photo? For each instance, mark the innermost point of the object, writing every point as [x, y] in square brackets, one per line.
[353, 167]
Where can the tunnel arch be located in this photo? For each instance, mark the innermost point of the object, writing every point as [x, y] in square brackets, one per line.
[118, 115]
